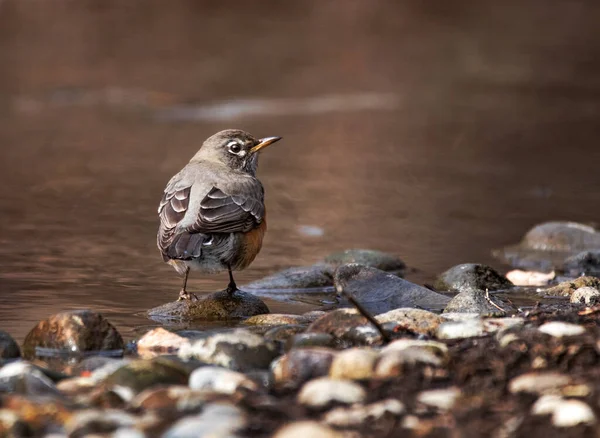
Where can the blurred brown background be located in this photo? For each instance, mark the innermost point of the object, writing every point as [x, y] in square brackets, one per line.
[433, 130]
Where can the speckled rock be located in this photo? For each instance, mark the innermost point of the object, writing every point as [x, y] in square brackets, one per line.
[566, 288]
[337, 322]
[469, 276]
[283, 333]
[76, 332]
[306, 429]
[218, 306]
[353, 364]
[239, 350]
[367, 257]
[276, 319]
[558, 329]
[359, 415]
[380, 292]
[323, 392]
[9, 349]
[221, 380]
[538, 382]
[415, 320]
[586, 295]
[583, 263]
[216, 420]
[160, 341]
[23, 378]
[308, 277]
[478, 301]
[301, 365]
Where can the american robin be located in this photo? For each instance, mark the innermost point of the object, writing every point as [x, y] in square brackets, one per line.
[212, 213]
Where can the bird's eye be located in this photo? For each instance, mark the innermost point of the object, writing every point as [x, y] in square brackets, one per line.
[235, 147]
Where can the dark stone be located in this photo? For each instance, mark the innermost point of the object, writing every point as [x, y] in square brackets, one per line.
[284, 332]
[9, 349]
[470, 276]
[219, 306]
[309, 277]
[583, 263]
[337, 322]
[478, 301]
[74, 332]
[301, 365]
[367, 257]
[566, 288]
[23, 378]
[380, 292]
[309, 340]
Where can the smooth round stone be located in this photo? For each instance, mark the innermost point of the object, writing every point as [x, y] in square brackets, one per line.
[442, 399]
[469, 276]
[393, 363]
[415, 320]
[306, 429]
[559, 329]
[216, 420]
[478, 301]
[359, 415]
[519, 277]
[160, 341]
[300, 365]
[296, 278]
[94, 421]
[9, 349]
[283, 333]
[23, 378]
[75, 332]
[220, 380]
[337, 322]
[353, 364]
[569, 413]
[322, 392]
[160, 398]
[139, 375]
[127, 432]
[561, 236]
[308, 340]
[586, 295]
[538, 382]
[367, 257]
[438, 348]
[546, 404]
[461, 329]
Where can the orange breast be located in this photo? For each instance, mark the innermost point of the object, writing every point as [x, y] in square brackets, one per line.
[251, 244]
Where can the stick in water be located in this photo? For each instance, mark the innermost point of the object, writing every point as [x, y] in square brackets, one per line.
[364, 312]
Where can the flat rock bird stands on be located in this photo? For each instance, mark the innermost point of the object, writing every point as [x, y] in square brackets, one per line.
[212, 214]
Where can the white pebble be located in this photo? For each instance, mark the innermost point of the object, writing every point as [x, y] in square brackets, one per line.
[546, 404]
[323, 391]
[571, 413]
[443, 399]
[460, 329]
[558, 329]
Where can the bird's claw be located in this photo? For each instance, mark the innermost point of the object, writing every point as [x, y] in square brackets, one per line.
[184, 295]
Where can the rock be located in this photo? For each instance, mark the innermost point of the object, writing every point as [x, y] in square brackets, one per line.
[442, 399]
[89, 422]
[461, 329]
[23, 378]
[220, 380]
[566, 288]
[301, 365]
[546, 404]
[160, 341]
[530, 278]
[478, 301]
[380, 292]
[359, 415]
[308, 340]
[323, 392]
[12, 425]
[126, 432]
[583, 263]
[353, 364]
[139, 375]
[218, 306]
[586, 295]
[439, 349]
[9, 349]
[239, 350]
[283, 333]
[305, 429]
[276, 319]
[216, 420]
[558, 329]
[160, 398]
[74, 332]
[76, 386]
[393, 363]
[337, 322]
[309, 277]
[538, 382]
[569, 413]
[471, 276]
[415, 320]
[367, 257]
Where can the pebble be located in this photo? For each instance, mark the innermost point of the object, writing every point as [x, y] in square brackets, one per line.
[530, 278]
[300, 365]
[358, 415]
[220, 380]
[471, 276]
[89, 422]
[160, 341]
[546, 404]
[9, 349]
[393, 363]
[569, 413]
[538, 382]
[558, 329]
[415, 320]
[276, 319]
[216, 420]
[442, 399]
[307, 429]
[367, 257]
[324, 391]
[304, 340]
[23, 378]
[353, 364]
[461, 329]
[586, 295]
[438, 348]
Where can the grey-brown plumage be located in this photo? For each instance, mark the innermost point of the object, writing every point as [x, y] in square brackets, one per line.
[212, 213]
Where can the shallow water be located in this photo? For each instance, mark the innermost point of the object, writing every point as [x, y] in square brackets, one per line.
[434, 132]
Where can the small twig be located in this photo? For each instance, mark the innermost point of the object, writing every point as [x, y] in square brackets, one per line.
[487, 297]
[364, 312]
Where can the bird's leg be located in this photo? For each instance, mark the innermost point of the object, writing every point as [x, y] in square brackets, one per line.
[183, 293]
[231, 287]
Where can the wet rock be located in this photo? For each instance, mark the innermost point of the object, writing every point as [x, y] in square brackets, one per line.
[538, 382]
[469, 276]
[394, 363]
[337, 322]
[305, 429]
[126, 432]
[530, 278]
[220, 380]
[90, 422]
[380, 292]
[301, 365]
[160, 341]
[9, 349]
[461, 329]
[216, 420]
[23, 378]
[478, 301]
[303, 277]
[583, 263]
[367, 257]
[12, 425]
[569, 413]
[415, 320]
[558, 329]
[283, 333]
[76, 386]
[323, 392]
[566, 288]
[160, 398]
[308, 340]
[359, 415]
[546, 404]
[139, 375]
[353, 364]
[239, 350]
[586, 295]
[74, 332]
[218, 306]
[438, 349]
[276, 319]
[313, 315]
[442, 399]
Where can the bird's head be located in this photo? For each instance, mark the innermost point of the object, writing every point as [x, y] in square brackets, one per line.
[235, 148]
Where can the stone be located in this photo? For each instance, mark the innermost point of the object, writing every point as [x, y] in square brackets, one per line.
[566, 288]
[276, 319]
[323, 392]
[297, 278]
[439, 349]
[367, 257]
[360, 415]
[353, 364]
[23, 378]
[469, 276]
[12, 425]
[378, 291]
[220, 380]
[75, 332]
[569, 413]
[160, 341]
[239, 350]
[301, 365]
[415, 320]
[306, 429]
[558, 329]
[283, 333]
[216, 420]
[127, 432]
[519, 277]
[9, 349]
[442, 399]
[160, 397]
[461, 329]
[538, 382]
[546, 404]
[562, 236]
[308, 340]
[337, 322]
[583, 263]
[218, 306]
[585, 295]
[89, 422]
[394, 363]
[478, 301]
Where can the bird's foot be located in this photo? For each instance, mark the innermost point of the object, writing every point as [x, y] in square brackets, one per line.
[231, 288]
[185, 295]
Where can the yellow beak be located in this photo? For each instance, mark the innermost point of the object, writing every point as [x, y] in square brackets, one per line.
[263, 143]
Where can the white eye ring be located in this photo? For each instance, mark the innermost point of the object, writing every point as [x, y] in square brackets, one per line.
[234, 147]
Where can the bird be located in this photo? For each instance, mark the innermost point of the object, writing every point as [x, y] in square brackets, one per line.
[212, 212]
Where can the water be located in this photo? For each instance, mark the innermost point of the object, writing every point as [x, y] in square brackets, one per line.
[434, 132]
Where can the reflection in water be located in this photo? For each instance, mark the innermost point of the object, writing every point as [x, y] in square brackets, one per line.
[455, 128]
